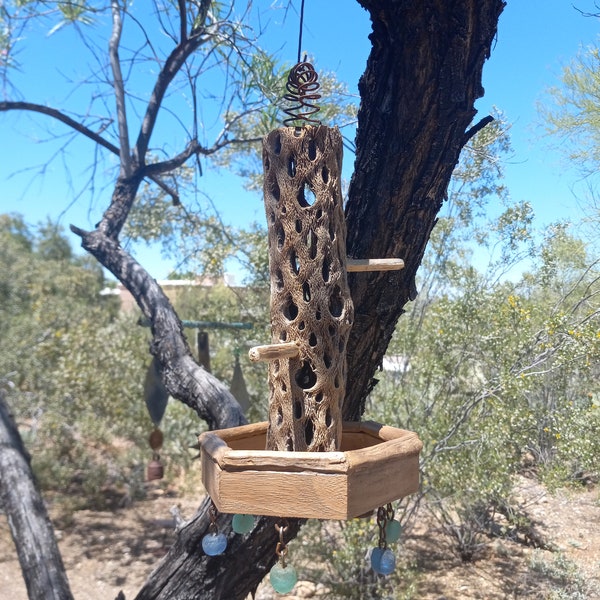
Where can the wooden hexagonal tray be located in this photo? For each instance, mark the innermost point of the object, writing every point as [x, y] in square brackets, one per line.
[376, 465]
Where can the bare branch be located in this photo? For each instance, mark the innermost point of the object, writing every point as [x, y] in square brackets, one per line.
[115, 64]
[182, 20]
[166, 188]
[476, 129]
[63, 118]
[92, 135]
[173, 64]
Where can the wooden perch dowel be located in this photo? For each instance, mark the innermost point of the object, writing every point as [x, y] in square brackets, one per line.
[274, 351]
[374, 264]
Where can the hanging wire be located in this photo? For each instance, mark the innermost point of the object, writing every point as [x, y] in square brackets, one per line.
[302, 87]
[300, 33]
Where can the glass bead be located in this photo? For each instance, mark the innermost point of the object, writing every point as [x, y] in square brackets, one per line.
[283, 579]
[214, 544]
[383, 560]
[376, 558]
[242, 523]
[393, 529]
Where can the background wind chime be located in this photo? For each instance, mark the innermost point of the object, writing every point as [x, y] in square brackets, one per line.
[305, 462]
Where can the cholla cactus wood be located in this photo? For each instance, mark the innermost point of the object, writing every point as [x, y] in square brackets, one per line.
[310, 300]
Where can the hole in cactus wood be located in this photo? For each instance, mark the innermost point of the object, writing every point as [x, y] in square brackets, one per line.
[295, 262]
[326, 268]
[292, 166]
[325, 174]
[327, 418]
[275, 191]
[267, 163]
[280, 237]
[309, 432]
[290, 310]
[277, 145]
[297, 410]
[306, 377]
[306, 196]
[312, 340]
[319, 397]
[279, 416]
[326, 360]
[306, 291]
[311, 242]
[298, 225]
[312, 150]
[279, 279]
[336, 303]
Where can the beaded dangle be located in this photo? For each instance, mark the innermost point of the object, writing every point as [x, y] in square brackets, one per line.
[214, 542]
[383, 560]
[283, 577]
[242, 523]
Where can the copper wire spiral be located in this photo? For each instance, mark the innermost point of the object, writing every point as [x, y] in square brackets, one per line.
[302, 86]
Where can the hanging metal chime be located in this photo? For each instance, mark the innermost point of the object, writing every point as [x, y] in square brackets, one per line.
[156, 398]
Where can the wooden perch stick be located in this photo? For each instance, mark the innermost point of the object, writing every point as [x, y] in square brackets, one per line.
[274, 351]
[374, 264]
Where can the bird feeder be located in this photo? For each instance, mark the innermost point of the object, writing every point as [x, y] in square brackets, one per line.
[305, 461]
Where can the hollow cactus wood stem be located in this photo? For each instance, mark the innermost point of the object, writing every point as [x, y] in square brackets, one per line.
[310, 299]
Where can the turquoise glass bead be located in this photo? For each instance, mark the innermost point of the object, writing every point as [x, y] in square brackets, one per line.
[214, 544]
[283, 579]
[242, 523]
[393, 529]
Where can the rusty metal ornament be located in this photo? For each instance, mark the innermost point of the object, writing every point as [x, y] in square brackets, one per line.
[155, 469]
[302, 90]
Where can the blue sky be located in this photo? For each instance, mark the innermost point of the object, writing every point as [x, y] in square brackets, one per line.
[535, 39]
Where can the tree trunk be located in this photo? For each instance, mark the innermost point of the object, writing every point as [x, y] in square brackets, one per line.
[417, 95]
[30, 527]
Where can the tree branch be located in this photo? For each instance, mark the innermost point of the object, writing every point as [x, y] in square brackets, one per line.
[30, 527]
[473, 131]
[92, 135]
[193, 148]
[63, 118]
[171, 67]
[183, 378]
[115, 64]
[182, 20]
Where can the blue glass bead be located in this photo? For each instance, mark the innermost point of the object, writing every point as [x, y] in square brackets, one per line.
[376, 558]
[393, 529]
[214, 543]
[283, 579]
[242, 523]
[387, 563]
